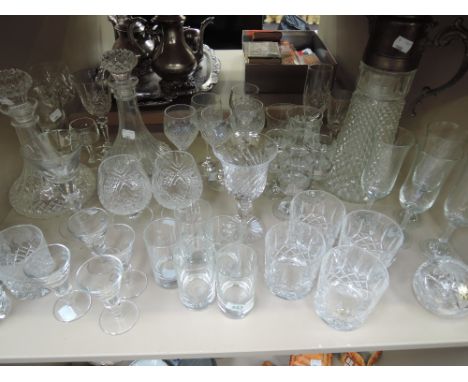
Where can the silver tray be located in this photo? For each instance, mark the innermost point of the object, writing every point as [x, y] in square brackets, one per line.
[202, 80]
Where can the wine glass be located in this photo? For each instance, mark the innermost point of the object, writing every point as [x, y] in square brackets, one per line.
[124, 189]
[456, 213]
[245, 159]
[208, 166]
[50, 267]
[215, 128]
[95, 95]
[318, 84]
[240, 91]
[381, 172]
[304, 120]
[88, 133]
[101, 276]
[180, 125]
[248, 115]
[176, 182]
[118, 241]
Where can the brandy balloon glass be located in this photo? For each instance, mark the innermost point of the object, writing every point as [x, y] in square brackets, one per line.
[245, 158]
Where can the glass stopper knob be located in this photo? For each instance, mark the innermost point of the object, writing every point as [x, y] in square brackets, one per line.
[119, 62]
[14, 86]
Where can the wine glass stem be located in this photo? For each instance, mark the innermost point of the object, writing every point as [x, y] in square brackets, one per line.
[370, 203]
[447, 234]
[406, 219]
[244, 209]
[104, 129]
[63, 289]
[92, 155]
[208, 152]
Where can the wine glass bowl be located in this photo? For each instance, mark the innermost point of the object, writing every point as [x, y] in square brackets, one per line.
[180, 125]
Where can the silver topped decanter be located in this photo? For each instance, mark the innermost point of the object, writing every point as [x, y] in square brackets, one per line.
[52, 180]
[133, 137]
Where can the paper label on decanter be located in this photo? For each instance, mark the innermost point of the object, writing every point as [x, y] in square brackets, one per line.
[6, 101]
[402, 44]
[55, 115]
[128, 134]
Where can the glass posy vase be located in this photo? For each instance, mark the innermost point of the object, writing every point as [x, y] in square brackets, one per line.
[133, 137]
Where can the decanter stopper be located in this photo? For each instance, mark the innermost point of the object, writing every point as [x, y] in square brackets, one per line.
[119, 63]
[14, 87]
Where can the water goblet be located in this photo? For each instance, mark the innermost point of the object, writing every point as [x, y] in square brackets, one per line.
[208, 166]
[441, 286]
[89, 226]
[118, 242]
[321, 210]
[248, 115]
[17, 243]
[276, 115]
[50, 267]
[215, 128]
[245, 159]
[455, 212]
[293, 252]
[176, 182]
[180, 125]
[380, 174]
[162, 244]
[373, 231]
[88, 133]
[223, 230]
[318, 84]
[236, 274]
[350, 284]
[240, 91]
[95, 95]
[101, 276]
[294, 176]
[124, 189]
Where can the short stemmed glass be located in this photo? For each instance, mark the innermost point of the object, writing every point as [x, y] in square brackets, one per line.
[89, 135]
[381, 172]
[248, 115]
[240, 91]
[118, 242]
[180, 125]
[101, 276]
[294, 176]
[216, 128]
[176, 181]
[50, 266]
[456, 213]
[124, 189]
[245, 159]
[96, 98]
[208, 166]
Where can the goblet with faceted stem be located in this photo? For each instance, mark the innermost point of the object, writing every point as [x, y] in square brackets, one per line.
[245, 159]
[102, 276]
[50, 266]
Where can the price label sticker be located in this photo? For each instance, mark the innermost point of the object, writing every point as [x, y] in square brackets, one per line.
[55, 115]
[402, 44]
[128, 134]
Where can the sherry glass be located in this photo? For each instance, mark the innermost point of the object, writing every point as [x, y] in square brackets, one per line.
[101, 276]
[180, 125]
[215, 128]
[380, 174]
[441, 286]
[456, 213]
[176, 182]
[373, 231]
[248, 115]
[321, 210]
[50, 267]
[95, 95]
[124, 189]
[294, 176]
[209, 166]
[245, 159]
[318, 84]
[240, 91]
[351, 282]
[118, 242]
[88, 133]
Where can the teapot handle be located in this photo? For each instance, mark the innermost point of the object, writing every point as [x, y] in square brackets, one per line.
[138, 31]
[456, 31]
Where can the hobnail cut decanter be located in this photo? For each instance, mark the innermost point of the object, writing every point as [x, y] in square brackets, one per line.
[133, 137]
[52, 181]
[373, 117]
